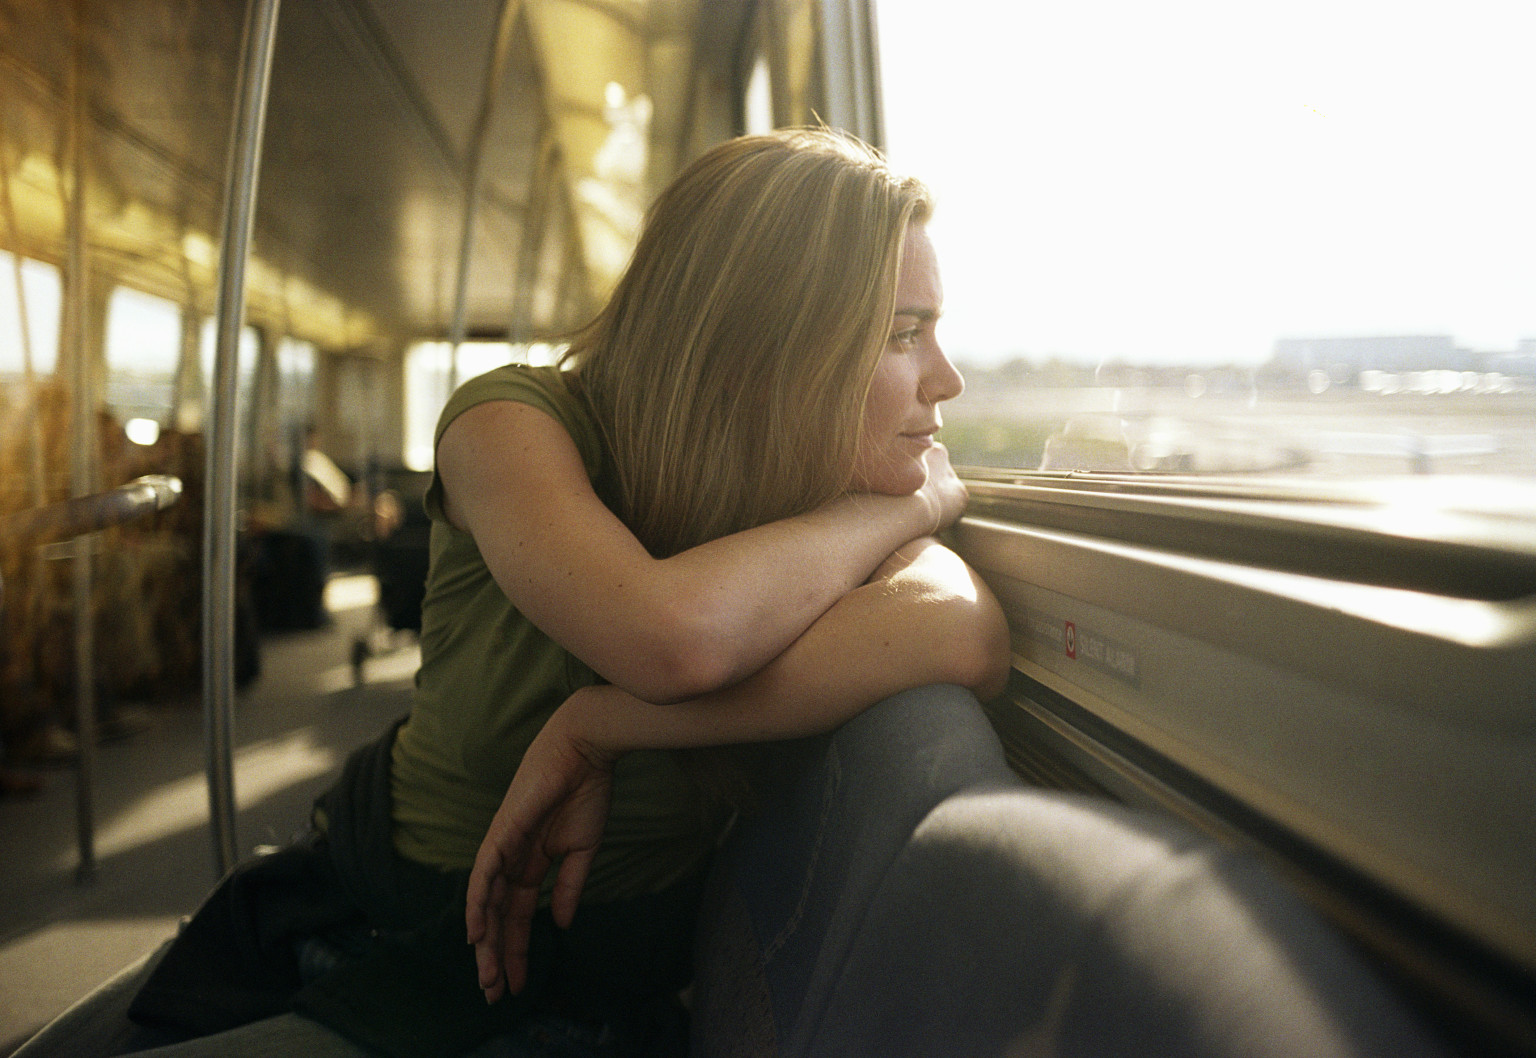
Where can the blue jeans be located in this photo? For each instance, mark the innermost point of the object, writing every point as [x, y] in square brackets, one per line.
[899, 894]
[787, 894]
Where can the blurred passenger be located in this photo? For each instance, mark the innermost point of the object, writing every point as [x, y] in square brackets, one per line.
[326, 486]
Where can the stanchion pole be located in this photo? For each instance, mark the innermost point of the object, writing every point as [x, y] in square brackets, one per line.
[221, 490]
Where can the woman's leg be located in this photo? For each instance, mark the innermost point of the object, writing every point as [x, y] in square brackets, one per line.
[925, 904]
[789, 890]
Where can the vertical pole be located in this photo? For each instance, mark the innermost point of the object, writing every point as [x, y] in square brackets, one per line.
[221, 490]
[850, 67]
[535, 223]
[82, 450]
[495, 66]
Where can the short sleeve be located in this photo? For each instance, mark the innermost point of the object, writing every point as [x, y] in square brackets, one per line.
[539, 387]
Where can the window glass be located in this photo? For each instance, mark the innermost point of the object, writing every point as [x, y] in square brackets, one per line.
[295, 382]
[427, 371]
[248, 353]
[41, 301]
[1288, 238]
[143, 347]
[758, 106]
[428, 381]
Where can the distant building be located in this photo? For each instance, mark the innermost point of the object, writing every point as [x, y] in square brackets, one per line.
[1345, 358]
[1521, 363]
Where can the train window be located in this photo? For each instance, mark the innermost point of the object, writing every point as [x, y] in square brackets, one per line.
[38, 308]
[758, 106]
[295, 382]
[1289, 239]
[431, 372]
[249, 351]
[143, 348]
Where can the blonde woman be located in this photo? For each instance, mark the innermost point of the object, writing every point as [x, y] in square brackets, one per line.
[712, 524]
[773, 443]
[755, 561]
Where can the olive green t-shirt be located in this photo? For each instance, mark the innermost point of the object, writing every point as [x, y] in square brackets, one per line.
[489, 680]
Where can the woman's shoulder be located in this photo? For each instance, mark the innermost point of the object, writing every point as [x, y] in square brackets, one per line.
[540, 385]
[546, 387]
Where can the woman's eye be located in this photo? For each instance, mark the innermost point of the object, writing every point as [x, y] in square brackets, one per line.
[906, 339]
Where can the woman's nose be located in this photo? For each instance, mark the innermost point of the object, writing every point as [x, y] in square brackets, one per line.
[941, 380]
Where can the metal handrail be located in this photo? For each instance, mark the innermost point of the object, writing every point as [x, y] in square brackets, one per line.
[86, 514]
[68, 520]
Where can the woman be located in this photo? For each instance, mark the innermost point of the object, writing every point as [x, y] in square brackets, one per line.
[711, 525]
[800, 391]
[780, 415]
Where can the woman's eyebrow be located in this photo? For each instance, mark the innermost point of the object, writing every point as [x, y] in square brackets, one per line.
[922, 315]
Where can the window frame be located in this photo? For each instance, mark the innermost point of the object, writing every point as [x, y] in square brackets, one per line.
[1311, 676]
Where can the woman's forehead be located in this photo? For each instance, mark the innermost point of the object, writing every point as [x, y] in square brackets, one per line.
[919, 289]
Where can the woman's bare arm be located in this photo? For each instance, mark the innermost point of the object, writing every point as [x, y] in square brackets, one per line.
[671, 629]
[924, 618]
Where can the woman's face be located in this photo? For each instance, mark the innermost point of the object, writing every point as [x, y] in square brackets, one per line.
[913, 375]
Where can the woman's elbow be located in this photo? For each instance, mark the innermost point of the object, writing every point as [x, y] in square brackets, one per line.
[982, 655]
[679, 676]
[683, 658]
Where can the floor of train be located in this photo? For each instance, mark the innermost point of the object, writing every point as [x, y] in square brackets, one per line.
[60, 936]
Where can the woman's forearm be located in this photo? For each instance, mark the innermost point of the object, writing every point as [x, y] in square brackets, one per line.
[665, 629]
[753, 594]
[912, 629]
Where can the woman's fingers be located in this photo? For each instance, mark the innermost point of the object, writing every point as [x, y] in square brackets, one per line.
[554, 810]
[488, 968]
[568, 885]
[482, 879]
[495, 919]
[516, 932]
[944, 486]
[488, 941]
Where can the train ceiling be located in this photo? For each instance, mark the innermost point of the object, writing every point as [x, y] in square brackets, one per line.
[377, 110]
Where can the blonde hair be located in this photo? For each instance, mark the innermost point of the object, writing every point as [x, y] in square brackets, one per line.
[730, 367]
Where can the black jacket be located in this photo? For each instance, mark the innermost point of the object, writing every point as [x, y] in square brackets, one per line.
[342, 930]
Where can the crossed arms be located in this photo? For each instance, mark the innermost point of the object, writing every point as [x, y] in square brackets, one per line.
[715, 646]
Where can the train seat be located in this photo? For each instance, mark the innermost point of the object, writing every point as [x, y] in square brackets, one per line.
[940, 907]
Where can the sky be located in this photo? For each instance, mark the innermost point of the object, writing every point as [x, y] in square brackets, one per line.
[1188, 180]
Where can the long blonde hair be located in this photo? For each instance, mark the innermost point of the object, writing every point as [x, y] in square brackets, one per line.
[729, 369]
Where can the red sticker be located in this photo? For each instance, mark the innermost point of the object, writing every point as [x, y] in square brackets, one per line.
[1071, 640]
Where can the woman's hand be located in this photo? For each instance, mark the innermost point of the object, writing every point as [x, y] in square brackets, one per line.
[554, 812]
[943, 490]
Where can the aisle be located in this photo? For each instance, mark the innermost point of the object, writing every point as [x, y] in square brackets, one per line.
[293, 726]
